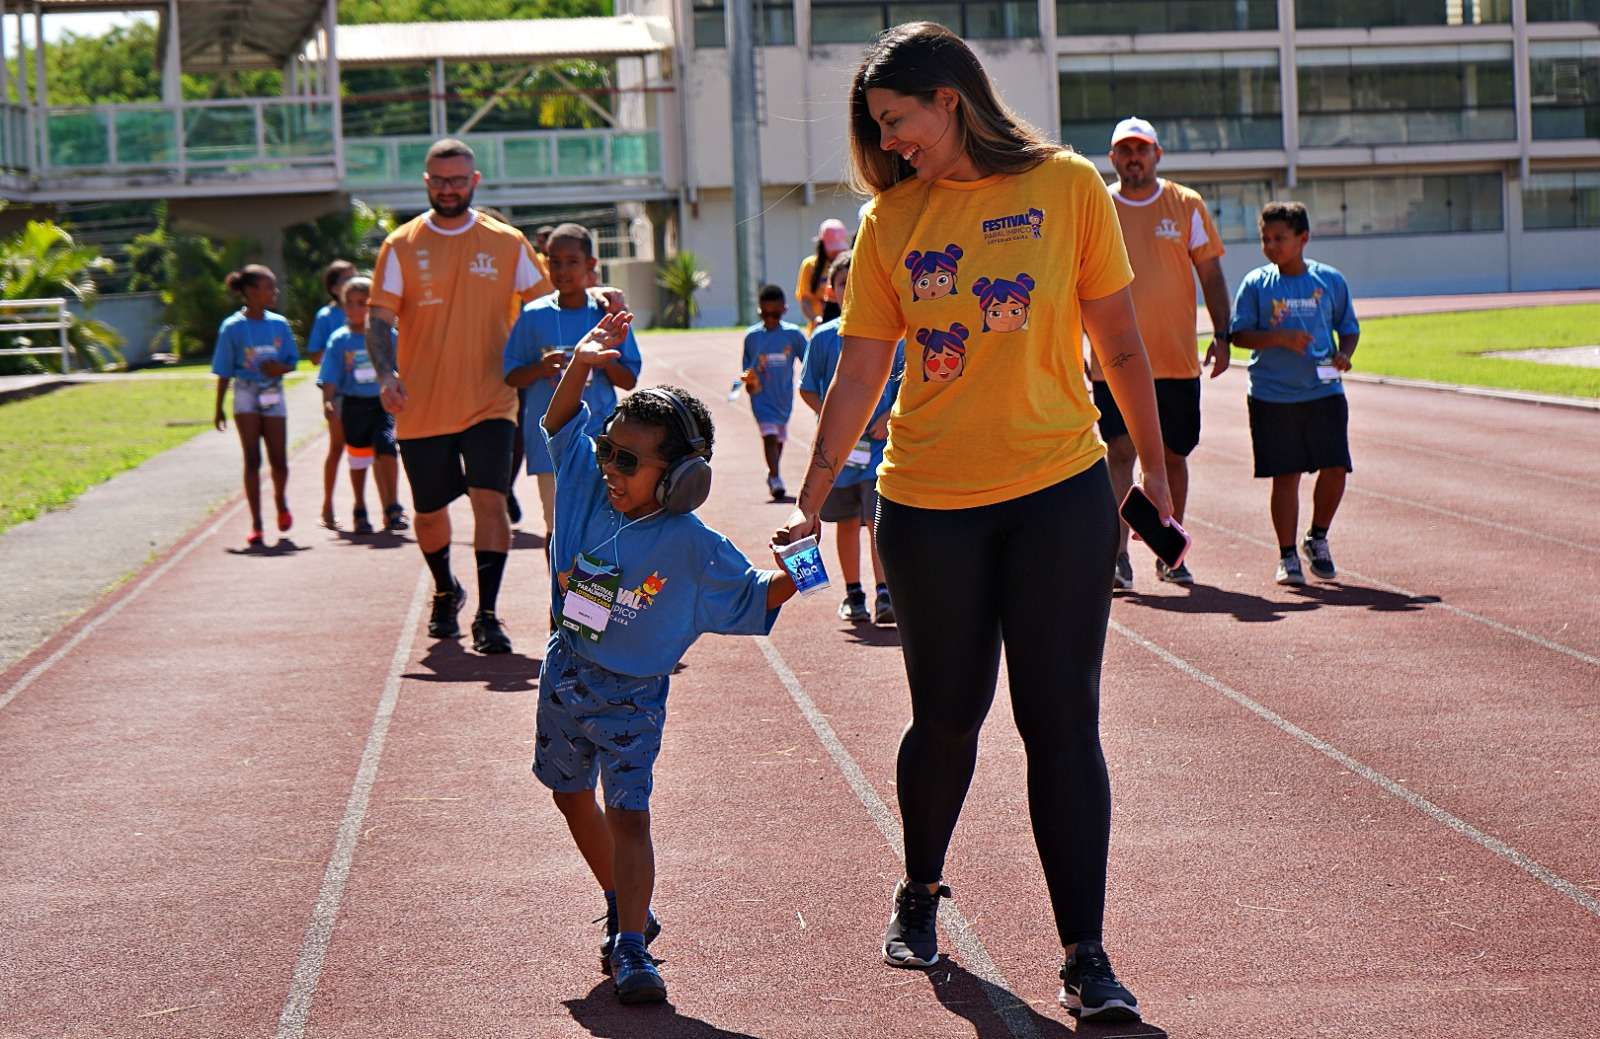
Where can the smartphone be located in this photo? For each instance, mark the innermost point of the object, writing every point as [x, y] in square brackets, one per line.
[1169, 541]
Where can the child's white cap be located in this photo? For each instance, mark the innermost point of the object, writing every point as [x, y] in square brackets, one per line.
[1135, 127]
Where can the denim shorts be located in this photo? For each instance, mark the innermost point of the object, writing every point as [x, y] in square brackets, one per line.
[596, 724]
[247, 399]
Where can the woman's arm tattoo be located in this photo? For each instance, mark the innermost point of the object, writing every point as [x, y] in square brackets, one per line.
[1119, 360]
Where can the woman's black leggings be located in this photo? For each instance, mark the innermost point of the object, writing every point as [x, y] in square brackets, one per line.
[1032, 574]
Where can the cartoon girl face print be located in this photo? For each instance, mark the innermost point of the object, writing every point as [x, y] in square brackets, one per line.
[1005, 302]
[944, 354]
[1036, 222]
[933, 274]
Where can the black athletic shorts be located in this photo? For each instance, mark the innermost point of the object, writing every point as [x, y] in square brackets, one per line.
[366, 424]
[441, 468]
[1177, 404]
[1300, 438]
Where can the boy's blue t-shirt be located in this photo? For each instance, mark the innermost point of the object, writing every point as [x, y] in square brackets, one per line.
[328, 321]
[347, 367]
[1318, 302]
[680, 578]
[244, 343]
[773, 353]
[545, 325]
[816, 375]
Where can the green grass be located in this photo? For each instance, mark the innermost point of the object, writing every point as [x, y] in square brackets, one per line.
[1449, 348]
[60, 444]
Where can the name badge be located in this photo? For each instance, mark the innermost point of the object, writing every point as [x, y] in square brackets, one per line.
[1327, 373]
[366, 373]
[591, 590]
[860, 455]
[269, 398]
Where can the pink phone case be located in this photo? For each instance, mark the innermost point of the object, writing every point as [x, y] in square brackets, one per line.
[1188, 541]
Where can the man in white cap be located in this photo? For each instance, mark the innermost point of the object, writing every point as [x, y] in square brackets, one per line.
[811, 285]
[1170, 238]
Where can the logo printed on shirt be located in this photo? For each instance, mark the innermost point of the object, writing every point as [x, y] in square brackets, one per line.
[944, 354]
[1005, 302]
[1020, 227]
[1168, 228]
[633, 601]
[1298, 306]
[933, 273]
[483, 266]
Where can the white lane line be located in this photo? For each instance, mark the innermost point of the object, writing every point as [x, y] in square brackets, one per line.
[1013, 1010]
[1478, 618]
[35, 672]
[1490, 843]
[303, 987]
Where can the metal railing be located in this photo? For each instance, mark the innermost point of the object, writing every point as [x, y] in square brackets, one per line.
[513, 158]
[203, 138]
[37, 315]
[16, 145]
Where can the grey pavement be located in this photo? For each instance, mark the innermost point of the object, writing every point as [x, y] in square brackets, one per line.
[55, 567]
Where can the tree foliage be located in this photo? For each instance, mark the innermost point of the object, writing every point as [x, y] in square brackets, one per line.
[43, 261]
[352, 234]
[188, 271]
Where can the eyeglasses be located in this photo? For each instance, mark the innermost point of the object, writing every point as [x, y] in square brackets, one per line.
[453, 183]
[619, 458]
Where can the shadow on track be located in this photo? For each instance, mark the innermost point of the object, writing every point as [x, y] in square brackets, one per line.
[447, 660]
[1257, 609]
[601, 1015]
[872, 635]
[378, 540]
[968, 996]
[283, 547]
[521, 539]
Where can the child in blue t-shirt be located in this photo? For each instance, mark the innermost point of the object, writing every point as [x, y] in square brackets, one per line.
[350, 394]
[328, 321]
[853, 502]
[636, 578]
[1288, 314]
[771, 350]
[541, 344]
[255, 350]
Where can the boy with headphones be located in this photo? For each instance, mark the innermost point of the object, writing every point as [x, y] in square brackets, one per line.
[636, 578]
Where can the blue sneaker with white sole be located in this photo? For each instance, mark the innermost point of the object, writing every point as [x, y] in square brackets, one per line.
[634, 972]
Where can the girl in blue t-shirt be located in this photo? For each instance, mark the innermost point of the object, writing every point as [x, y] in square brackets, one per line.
[255, 350]
[328, 321]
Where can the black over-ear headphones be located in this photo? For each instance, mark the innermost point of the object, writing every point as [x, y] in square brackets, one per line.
[686, 484]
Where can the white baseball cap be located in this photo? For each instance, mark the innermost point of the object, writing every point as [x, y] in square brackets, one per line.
[1133, 126]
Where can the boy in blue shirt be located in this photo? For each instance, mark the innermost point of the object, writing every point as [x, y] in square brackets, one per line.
[1287, 314]
[636, 578]
[541, 344]
[853, 502]
[771, 350]
[328, 321]
[350, 395]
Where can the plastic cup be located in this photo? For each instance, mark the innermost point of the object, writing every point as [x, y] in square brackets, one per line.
[803, 561]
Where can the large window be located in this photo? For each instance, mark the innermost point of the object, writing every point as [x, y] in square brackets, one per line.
[1403, 205]
[1100, 17]
[1234, 206]
[1564, 199]
[1208, 101]
[1406, 95]
[856, 21]
[1362, 14]
[1565, 77]
[1564, 10]
[774, 24]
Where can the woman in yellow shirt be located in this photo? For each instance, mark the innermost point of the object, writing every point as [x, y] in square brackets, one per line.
[990, 250]
[811, 287]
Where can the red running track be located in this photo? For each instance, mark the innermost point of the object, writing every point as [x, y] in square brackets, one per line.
[256, 800]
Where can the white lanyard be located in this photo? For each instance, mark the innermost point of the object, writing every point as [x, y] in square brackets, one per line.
[615, 555]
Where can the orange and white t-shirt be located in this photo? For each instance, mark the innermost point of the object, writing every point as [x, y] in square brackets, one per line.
[455, 293]
[1166, 235]
[985, 278]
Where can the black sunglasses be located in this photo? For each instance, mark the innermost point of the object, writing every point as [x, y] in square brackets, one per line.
[619, 458]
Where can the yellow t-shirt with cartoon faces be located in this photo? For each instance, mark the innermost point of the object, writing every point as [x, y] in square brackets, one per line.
[984, 278]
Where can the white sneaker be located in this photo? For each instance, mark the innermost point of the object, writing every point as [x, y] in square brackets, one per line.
[1122, 574]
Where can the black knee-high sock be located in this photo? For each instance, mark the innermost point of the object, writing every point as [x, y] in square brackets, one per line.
[491, 566]
[439, 566]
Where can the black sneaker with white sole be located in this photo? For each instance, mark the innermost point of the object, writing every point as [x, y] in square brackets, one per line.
[488, 637]
[912, 938]
[1318, 558]
[1090, 990]
[443, 623]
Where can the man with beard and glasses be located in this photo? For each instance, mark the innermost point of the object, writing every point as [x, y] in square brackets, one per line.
[452, 280]
[1170, 239]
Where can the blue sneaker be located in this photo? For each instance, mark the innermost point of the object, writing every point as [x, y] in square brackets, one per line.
[652, 929]
[634, 974]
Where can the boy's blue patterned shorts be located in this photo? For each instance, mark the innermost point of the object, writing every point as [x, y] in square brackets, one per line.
[596, 723]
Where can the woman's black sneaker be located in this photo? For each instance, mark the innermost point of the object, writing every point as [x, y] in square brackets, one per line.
[488, 636]
[361, 524]
[394, 518]
[1090, 990]
[443, 623]
[912, 939]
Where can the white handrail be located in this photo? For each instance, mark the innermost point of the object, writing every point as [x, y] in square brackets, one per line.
[61, 324]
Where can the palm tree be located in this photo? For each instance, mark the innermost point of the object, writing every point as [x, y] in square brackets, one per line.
[682, 277]
[42, 261]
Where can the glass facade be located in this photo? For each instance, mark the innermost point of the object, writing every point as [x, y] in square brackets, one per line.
[774, 24]
[1406, 95]
[1426, 204]
[857, 21]
[1362, 14]
[1566, 199]
[1208, 101]
[1097, 17]
[1564, 10]
[1564, 78]
[1234, 205]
